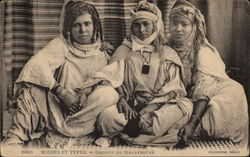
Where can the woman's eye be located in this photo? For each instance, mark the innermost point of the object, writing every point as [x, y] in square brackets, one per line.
[77, 25]
[184, 24]
[146, 24]
[87, 23]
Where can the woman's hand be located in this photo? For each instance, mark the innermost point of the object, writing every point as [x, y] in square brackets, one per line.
[149, 108]
[186, 133]
[71, 102]
[82, 95]
[68, 100]
[123, 107]
[143, 97]
[82, 98]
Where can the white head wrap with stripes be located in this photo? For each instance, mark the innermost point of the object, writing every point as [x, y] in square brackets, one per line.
[156, 17]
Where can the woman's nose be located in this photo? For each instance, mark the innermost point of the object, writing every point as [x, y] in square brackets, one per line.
[178, 28]
[82, 28]
[142, 28]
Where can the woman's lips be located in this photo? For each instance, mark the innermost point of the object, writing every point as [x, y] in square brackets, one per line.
[143, 36]
[178, 34]
[83, 36]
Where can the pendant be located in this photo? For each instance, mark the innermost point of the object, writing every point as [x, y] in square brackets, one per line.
[145, 69]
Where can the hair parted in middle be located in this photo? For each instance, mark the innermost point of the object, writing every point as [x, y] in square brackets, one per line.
[75, 8]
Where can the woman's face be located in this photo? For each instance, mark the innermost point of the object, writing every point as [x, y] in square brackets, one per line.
[143, 28]
[83, 29]
[180, 28]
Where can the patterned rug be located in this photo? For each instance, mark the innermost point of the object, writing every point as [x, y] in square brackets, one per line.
[212, 144]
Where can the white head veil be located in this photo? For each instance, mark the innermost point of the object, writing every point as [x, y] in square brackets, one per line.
[155, 15]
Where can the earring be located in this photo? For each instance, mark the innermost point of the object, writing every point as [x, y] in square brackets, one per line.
[68, 39]
[94, 37]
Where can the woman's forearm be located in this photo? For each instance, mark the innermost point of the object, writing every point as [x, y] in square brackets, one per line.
[200, 107]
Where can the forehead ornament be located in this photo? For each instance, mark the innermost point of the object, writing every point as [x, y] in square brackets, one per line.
[185, 11]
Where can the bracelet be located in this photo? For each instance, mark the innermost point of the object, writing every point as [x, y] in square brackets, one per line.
[120, 98]
[56, 90]
[61, 92]
[195, 116]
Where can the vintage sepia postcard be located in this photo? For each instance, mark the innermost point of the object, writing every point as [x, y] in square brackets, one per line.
[124, 77]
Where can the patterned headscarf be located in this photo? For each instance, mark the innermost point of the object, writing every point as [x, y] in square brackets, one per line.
[150, 11]
[188, 49]
[186, 9]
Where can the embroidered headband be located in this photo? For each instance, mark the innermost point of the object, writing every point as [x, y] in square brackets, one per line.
[143, 14]
[185, 11]
[149, 11]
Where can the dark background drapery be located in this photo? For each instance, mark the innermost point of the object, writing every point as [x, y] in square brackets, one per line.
[28, 25]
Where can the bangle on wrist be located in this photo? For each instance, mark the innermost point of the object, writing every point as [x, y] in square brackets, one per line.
[55, 89]
[61, 92]
[121, 97]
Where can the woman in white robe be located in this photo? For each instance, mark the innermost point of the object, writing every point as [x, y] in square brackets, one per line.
[220, 105]
[49, 103]
[148, 76]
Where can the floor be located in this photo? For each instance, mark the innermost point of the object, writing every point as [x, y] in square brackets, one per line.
[197, 147]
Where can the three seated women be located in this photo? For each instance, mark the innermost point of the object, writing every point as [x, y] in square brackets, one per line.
[151, 92]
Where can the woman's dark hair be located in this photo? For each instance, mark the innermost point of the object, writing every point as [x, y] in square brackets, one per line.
[73, 9]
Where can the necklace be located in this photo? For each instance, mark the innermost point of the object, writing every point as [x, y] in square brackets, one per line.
[146, 60]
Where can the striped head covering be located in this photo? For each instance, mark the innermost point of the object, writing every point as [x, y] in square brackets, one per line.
[188, 50]
[150, 11]
[186, 9]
